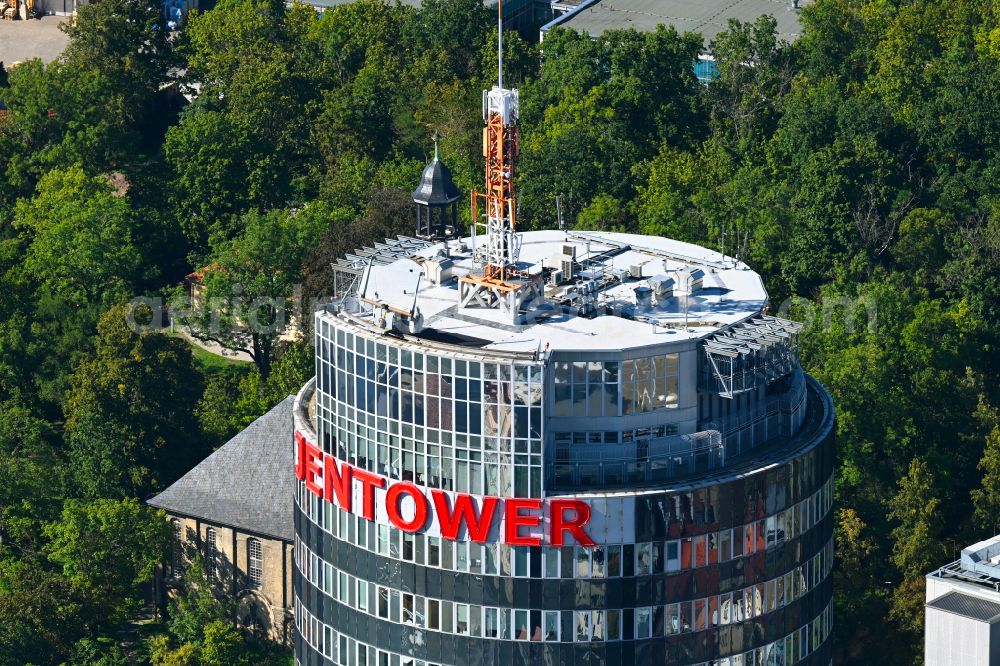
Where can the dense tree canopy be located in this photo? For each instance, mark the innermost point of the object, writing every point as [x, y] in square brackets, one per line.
[110, 547]
[130, 423]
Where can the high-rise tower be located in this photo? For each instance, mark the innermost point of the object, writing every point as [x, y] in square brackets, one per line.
[633, 469]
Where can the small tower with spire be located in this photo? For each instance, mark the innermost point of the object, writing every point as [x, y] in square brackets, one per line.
[435, 201]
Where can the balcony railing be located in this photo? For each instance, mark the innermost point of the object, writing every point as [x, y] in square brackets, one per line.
[635, 463]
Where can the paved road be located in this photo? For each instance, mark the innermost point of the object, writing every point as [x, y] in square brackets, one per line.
[36, 38]
[212, 347]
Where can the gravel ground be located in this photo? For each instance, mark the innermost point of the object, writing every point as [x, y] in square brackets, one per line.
[35, 38]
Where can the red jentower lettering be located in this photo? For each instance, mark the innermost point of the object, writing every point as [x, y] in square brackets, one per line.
[337, 483]
[312, 469]
[515, 521]
[369, 482]
[392, 497]
[323, 476]
[300, 464]
[464, 511]
[574, 525]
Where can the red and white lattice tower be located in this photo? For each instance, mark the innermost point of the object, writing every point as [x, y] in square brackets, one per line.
[500, 147]
[500, 284]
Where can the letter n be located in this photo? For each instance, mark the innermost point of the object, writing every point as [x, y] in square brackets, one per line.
[337, 483]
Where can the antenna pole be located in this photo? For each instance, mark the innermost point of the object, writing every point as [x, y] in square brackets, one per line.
[500, 44]
[416, 292]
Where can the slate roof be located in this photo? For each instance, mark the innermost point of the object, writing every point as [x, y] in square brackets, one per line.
[248, 483]
[968, 606]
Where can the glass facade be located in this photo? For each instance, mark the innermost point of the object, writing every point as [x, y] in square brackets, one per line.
[615, 388]
[438, 420]
[701, 555]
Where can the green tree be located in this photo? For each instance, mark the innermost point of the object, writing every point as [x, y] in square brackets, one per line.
[917, 546]
[196, 607]
[664, 202]
[42, 615]
[986, 498]
[215, 173]
[73, 112]
[110, 547]
[246, 143]
[357, 117]
[78, 237]
[126, 40]
[97, 653]
[622, 96]
[604, 212]
[222, 645]
[250, 282]
[921, 242]
[162, 654]
[347, 31]
[456, 30]
[857, 580]
[755, 70]
[388, 212]
[521, 60]
[842, 188]
[28, 492]
[130, 409]
[231, 402]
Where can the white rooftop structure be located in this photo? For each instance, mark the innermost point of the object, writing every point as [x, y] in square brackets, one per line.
[602, 291]
[962, 608]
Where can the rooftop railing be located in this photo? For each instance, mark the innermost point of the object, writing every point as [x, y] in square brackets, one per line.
[638, 462]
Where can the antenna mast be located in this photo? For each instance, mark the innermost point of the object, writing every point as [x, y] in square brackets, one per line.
[500, 44]
[499, 284]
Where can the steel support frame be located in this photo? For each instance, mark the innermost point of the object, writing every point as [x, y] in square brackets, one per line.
[509, 298]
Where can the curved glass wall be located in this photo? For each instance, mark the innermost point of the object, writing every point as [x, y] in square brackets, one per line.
[647, 557]
[465, 424]
[319, 644]
[716, 560]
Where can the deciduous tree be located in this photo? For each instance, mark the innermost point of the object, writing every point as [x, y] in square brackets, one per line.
[109, 547]
[130, 409]
[250, 283]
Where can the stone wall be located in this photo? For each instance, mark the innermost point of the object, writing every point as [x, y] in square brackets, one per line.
[264, 610]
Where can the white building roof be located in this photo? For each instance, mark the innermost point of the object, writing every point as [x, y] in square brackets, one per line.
[614, 264]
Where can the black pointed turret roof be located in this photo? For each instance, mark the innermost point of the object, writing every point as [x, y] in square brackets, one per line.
[436, 186]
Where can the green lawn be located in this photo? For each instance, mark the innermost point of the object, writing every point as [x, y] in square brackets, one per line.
[211, 363]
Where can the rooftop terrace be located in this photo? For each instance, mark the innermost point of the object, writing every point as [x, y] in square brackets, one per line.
[603, 291]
